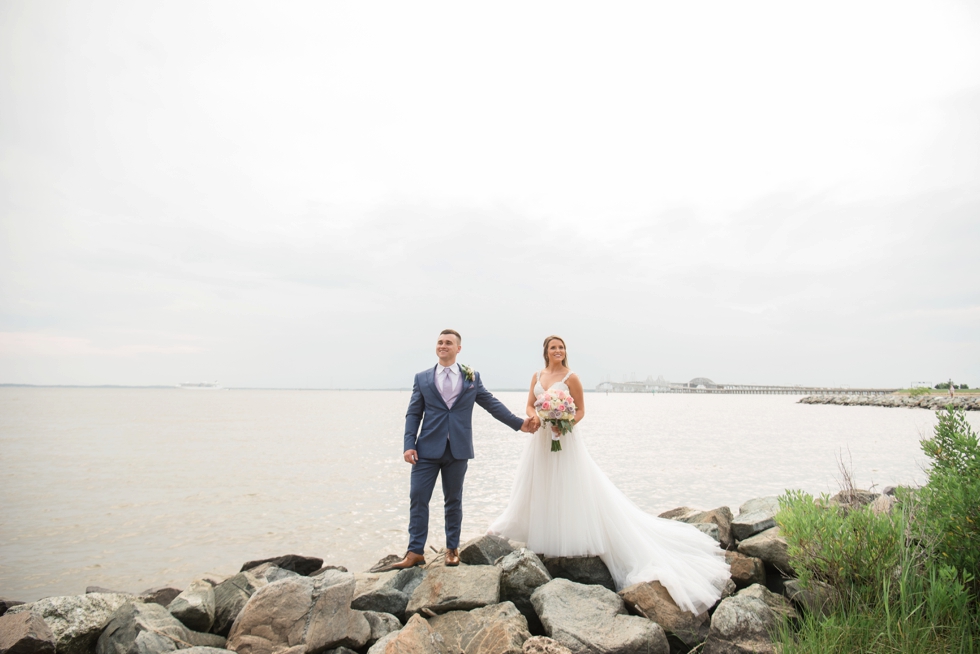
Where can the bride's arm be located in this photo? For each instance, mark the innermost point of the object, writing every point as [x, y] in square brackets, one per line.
[531, 399]
[575, 389]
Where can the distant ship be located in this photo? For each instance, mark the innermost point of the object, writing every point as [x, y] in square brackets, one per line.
[200, 386]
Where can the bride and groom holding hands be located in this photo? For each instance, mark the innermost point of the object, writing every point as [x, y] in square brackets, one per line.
[562, 504]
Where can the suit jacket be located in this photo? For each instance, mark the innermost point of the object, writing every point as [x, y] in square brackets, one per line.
[440, 423]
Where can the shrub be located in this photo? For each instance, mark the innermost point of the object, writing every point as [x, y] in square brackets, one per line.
[949, 520]
[852, 549]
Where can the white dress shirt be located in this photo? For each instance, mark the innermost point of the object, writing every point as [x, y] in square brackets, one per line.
[454, 375]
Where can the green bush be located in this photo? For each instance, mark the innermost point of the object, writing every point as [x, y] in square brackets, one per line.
[948, 524]
[852, 549]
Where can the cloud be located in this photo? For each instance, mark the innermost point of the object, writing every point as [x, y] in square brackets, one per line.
[27, 344]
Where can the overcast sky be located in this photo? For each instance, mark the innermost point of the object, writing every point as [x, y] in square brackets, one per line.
[304, 194]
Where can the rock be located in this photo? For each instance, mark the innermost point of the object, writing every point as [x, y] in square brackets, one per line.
[384, 565]
[728, 590]
[381, 624]
[339, 650]
[386, 592]
[495, 629]
[76, 620]
[755, 516]
[100, 589]
[8, 603]
[195, 606]
[456, 589]
[588, 570]
[883, 504]
[592, 619]
[25, 633]
[853, 498]
[270, 572]
[312, 612]
[484, 550]
[416, 638]
[162, 595]
[229, 598]
[138, 628]
[721, 517]
[746, 570]
[816, 597]
[652, 601]
[328, 567]
[201, 649]
[709, 529]
[743, 623]
[301, 565]
[769, 546]
[544, 645]
[521, 572]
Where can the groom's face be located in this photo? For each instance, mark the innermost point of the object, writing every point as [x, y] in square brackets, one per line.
[447, 347]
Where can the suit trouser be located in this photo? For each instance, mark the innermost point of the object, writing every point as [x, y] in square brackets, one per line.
[424, 474]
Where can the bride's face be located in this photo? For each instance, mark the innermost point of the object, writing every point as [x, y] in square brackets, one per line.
[556, 351]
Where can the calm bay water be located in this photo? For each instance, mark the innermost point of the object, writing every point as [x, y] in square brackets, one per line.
[132, 488]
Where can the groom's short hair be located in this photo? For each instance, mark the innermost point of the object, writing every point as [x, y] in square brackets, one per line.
[459, 339]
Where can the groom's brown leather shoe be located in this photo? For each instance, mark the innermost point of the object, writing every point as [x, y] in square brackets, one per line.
[410, 561]
[452, 557]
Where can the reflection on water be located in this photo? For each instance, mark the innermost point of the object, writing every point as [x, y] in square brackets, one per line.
[132, 488]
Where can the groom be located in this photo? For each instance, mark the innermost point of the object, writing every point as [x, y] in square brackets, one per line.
[442, 401]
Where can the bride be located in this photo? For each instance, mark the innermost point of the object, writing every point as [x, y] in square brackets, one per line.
[562, 504]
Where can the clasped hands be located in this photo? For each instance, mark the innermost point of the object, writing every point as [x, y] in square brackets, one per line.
[531, 425]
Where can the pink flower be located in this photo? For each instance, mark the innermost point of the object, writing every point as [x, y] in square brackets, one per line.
[546, 405]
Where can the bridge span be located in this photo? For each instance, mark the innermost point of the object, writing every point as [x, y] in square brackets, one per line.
[706, 386]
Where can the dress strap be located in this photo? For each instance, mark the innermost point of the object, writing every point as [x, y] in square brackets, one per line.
[565, 378]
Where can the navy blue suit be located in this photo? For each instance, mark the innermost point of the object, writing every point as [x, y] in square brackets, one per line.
[444, 445]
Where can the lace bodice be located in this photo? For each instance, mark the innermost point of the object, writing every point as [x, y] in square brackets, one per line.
[561, 385]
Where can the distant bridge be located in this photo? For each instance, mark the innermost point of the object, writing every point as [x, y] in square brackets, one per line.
[705, 385]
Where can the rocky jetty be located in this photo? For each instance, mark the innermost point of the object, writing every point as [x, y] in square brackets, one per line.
[931, 402]
[503, 599]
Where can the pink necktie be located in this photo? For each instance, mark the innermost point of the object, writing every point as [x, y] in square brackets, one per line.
[447, 386]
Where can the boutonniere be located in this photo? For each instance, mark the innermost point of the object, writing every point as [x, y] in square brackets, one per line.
[468, 373]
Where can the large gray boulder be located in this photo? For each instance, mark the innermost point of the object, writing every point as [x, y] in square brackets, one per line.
[460, 588]
[312, 612]
[386, 592]
[484, 550]
[755, 516]
[721, 518]
[301, 565]
[25, 633]
[138, 628]
[746, 570]
[588, 570]
[521, 572]
[75, 620]
[652, 601]
[231, 594]
[770, 546]
[745, 623]
[195, 606]
[593, 620]
[417, 637]
[381, 624]
[496, 629]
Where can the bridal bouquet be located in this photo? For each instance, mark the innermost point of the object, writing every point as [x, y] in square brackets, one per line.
[557, 408]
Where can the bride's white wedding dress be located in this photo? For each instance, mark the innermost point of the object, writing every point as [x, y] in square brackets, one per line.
[562, 504]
